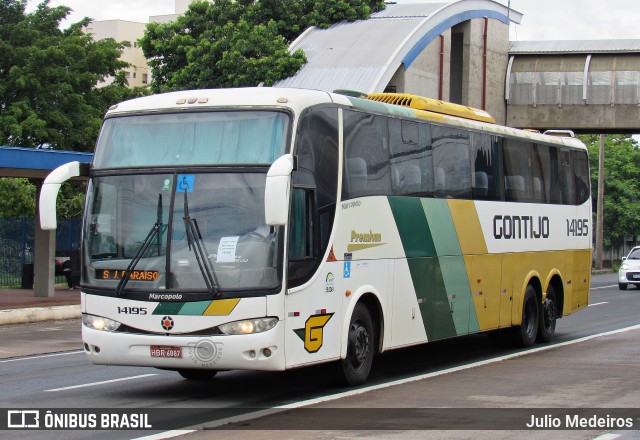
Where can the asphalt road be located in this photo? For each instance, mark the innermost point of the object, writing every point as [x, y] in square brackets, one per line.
[469, 372]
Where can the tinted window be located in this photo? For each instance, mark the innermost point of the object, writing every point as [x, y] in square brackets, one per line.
[485, 160]
[517, 171]
[366, 155]
[581, 176]
[451, 162]
[315, 191]
[411, 158]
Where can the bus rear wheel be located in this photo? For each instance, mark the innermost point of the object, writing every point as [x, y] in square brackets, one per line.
[360, 347]
[202, 375]
[548, 314]
[527, 331]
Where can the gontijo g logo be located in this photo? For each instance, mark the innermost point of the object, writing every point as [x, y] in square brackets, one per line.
[313, 331]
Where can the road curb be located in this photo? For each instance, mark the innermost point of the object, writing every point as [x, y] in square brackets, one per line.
[39, 314]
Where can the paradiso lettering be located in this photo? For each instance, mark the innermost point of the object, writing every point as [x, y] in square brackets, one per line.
[516, 227]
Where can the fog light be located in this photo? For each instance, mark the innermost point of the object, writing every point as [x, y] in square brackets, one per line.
[266, 352]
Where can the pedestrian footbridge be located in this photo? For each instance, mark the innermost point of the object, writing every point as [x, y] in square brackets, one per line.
[587, 86]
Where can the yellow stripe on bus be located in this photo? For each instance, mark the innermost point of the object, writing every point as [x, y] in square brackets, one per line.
[221, 307]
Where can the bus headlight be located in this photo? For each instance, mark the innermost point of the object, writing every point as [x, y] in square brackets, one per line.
[100, 323]
[248, 326]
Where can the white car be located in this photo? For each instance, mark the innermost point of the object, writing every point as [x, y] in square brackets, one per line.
[629, 272]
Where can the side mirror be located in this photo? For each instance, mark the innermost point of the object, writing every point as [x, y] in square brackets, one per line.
[50, 188]
[624, 258]
[276, 191]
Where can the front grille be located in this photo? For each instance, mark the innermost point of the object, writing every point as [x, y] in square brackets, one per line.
[633, 276]
[213, 331]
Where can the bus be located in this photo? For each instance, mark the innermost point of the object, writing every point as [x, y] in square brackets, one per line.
[273, 228]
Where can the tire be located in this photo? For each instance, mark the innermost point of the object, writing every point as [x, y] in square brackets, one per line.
[622, 286]
[548, 314]
[360, 347]
[201, 375]
[527, 331]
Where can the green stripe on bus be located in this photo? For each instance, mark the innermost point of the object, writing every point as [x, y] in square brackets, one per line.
[441, 225]
[196, 308]
[456, 281]
[432, 297]
[424, 266]
[412, 225]
[168, 308]
[454, 271]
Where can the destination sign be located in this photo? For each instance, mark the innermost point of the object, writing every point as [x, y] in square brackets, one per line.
[135, 275]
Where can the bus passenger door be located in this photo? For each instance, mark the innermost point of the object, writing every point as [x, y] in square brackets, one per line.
[313, 308]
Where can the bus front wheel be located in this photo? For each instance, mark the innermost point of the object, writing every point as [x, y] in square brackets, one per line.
[360, 347]
[527, 331]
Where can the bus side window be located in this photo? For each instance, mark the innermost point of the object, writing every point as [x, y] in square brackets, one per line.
[517, 163]
[485, 160]
[581, 176]
[410, 157]
[314, 194]
[451, 162]
[367, 170]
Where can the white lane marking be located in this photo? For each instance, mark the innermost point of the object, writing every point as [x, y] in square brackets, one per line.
[277, 409]
[102, 382]
[607, 437]
[167, 434]
[604, 287]
[598, 304]
[41, 356]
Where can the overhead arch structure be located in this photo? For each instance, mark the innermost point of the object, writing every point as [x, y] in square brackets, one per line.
[364, 55]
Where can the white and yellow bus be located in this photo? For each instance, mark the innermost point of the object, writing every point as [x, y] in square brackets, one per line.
[270, 229]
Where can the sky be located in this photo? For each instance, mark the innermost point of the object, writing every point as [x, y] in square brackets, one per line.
[543, 19]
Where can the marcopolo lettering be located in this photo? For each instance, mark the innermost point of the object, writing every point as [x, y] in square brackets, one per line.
[517, 227]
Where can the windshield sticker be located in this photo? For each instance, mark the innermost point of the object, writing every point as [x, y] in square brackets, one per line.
[185, 183]
[166, 184]
[227, 249]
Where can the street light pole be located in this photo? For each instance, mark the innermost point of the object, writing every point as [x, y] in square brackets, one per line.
[600, 205]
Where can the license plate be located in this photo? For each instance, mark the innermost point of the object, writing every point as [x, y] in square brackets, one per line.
[161, 351]
[636, 276]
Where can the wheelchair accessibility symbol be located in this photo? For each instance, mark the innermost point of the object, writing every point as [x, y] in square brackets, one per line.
[184, 183]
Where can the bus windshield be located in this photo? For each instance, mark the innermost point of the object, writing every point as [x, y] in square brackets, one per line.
[182, 231]
[194, 138]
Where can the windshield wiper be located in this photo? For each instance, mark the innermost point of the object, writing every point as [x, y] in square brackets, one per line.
[194, 238]
[142, 249]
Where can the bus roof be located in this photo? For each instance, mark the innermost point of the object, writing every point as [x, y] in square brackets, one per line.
[299, 99]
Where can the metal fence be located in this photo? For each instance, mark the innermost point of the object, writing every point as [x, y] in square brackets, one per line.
[17, 246]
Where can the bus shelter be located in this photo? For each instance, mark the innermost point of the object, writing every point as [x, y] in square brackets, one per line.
[36, 164]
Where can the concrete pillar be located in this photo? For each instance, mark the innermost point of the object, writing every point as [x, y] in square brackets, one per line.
[45, 253]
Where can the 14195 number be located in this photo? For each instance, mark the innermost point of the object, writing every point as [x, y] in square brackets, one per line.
[577, 227]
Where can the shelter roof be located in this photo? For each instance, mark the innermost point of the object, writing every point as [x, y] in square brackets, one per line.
[36, 163]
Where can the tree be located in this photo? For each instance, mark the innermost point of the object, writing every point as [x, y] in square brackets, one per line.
[17, 198]
[231, 43]
[622, 186]
[48, 78]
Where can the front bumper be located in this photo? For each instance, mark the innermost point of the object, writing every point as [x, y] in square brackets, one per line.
[259, 351]
[629, 277]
